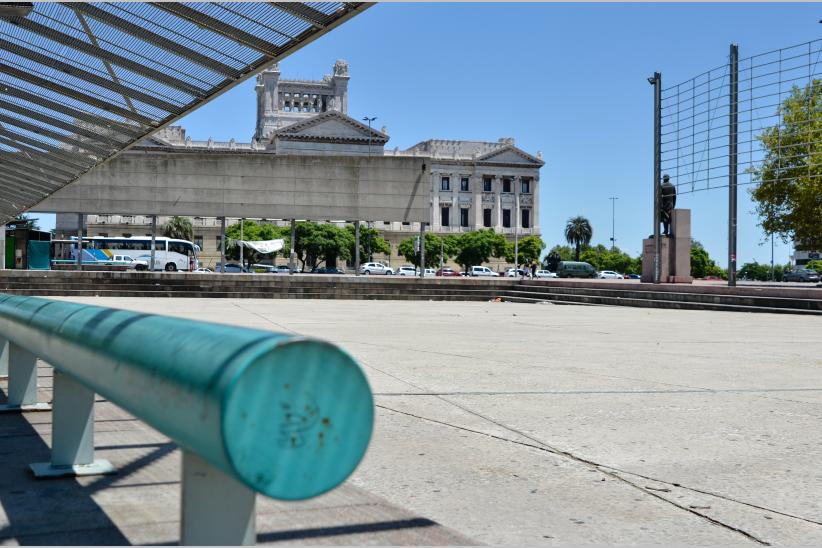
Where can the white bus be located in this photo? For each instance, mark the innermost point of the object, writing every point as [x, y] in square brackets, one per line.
[169, 254]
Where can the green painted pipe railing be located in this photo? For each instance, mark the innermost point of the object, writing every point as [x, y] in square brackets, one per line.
[287, 416]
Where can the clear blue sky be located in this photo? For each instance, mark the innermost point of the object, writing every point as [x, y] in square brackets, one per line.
[565, 79]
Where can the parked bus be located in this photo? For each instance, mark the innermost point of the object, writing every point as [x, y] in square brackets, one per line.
[169, 254]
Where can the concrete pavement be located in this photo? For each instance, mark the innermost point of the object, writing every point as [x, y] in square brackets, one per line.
[526, 423]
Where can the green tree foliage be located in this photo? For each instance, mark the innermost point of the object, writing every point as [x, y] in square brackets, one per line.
[254, 232]
[434, 244]
[702, 265]
[24, 220]
[605, 258]
[477, 247]
[789, 180]
[761, 272]
[815, 265]
[578, 233]
[179, 228]
[529, 248]
[370, 239]
[317, 243]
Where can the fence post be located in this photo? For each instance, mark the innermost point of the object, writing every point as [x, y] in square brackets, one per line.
[216, 508]
[656, 81]
[72, 432]
[4, 357]
[733, 105]
[22, 391]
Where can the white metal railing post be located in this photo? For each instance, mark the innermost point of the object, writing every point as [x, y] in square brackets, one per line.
[72, 438]
[216, 508]
[4, 357]
[22, 392]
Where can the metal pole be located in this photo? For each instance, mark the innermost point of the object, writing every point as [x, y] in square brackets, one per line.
[422, 250]
[773, 276]
[442, 252]
[222, 245]
[242, 237]
[80, 219]
[733, 102]
[292, 267]
[656, 81]
[153, 246]
[3, 246]
[356, 248]
[613, 221]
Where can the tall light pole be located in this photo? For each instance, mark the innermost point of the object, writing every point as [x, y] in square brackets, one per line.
[613, 221]
[369, 120]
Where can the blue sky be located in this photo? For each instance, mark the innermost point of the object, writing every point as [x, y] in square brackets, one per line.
[565, 79]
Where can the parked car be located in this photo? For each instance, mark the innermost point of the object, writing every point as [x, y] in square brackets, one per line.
[609, 275]
[546, 274]
[231, 268]
[430, 273]
[264, 268]
[327, 270]
[407, 270]
[632, 277]
[283, 269]
[202, 271]
[376, 268]
[574, 269]
[445, 271]
[799, 274]
[482, 271]
[515, 273]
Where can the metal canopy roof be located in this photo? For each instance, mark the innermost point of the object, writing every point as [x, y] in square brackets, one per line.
[81, 82]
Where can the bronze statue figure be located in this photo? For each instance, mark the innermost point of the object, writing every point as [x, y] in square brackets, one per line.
[667, 202]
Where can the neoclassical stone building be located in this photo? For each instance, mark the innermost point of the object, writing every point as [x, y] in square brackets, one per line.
[473, 184]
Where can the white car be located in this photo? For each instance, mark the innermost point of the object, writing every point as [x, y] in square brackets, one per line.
[546, 274]
[376, 268]
[407, 270]
[609, 275]
[515, 273]
[430, 273]
[482, 271]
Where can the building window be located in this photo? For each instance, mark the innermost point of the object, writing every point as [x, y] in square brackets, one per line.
[464, 217]
[464, 184]
[506, 185]
[486, 218]
[526, 218]
[386, 223]
[445, 216]
[506, 218]
[103, 234]
[445, 183]
[406, 224]
[525, 188]
[198, 241]
[126, 234]
[487, 183]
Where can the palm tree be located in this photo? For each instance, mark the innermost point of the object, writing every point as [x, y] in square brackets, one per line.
[179, 228]
[578, 232]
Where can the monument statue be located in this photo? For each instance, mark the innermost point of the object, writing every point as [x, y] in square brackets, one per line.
[667, 202]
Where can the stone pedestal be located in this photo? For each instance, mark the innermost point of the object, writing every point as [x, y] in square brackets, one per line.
[675, 252]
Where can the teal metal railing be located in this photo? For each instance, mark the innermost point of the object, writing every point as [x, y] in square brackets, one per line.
[255, 411]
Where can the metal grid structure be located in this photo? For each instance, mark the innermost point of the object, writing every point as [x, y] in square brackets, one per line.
[81, 82]
[727, 127]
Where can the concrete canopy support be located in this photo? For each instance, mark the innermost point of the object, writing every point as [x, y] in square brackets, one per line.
[222, 245]
[153, 238]
[422, 250]
[22, 392]
[4, 357]
[72, 438]
[292, 253]
[357, 248]
[80, 229]
[216, 508]
[3, 248]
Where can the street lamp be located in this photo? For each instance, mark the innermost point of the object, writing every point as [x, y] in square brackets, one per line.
[613, 221]
[369, 120]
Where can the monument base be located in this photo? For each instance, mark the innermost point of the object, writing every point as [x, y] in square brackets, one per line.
[674, 253]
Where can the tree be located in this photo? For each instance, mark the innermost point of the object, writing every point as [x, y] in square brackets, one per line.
[789, 183]
[578, 232]
[529, 249]
[477, 247]
[254, 232]
[434, 244]
[701, 263]
[370, 240]
[317, 243]
[24, 220]
[179, 228]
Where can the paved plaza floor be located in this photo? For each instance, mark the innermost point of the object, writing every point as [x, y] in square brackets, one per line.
[522, 423]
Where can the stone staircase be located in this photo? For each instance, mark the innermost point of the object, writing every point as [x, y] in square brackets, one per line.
[791, 300]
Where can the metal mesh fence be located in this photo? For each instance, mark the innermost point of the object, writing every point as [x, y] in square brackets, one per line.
[774, 142]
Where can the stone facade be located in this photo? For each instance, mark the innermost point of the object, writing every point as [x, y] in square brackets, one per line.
[473, 184]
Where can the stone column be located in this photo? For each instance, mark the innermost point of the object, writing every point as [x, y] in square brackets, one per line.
[534, 206]
[496, 216]
[435, 203]
[478, 207]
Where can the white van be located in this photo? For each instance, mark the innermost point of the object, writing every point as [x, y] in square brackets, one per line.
[482, 271]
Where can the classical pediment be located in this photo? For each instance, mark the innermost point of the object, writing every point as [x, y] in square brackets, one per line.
[331, 126]
[510, 155]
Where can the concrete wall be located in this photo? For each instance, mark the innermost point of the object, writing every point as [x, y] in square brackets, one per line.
[258, 185]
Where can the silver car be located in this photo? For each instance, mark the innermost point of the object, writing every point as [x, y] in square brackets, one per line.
[376, 268]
